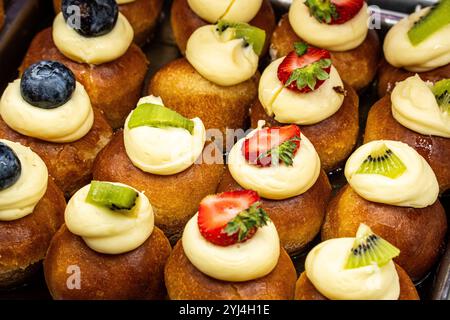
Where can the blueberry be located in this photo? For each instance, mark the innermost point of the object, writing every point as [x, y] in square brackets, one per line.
[10, 167]
[96, 17]
[47, 84]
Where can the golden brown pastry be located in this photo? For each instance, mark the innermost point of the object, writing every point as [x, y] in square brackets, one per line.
[357, 66]
[174, 198]
[184, 22]
[435, 149]
[184, 90]
[417, 232]
[143, 16]
[305, 290]
[25, 234]
[108, 247]
[334, 138]
[2, 14]
[185, 281]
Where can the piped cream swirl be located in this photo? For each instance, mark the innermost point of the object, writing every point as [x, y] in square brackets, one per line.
[276, 182]
[67, 123]
[244, 261]
[336, 37]
[417, 187]
[107, 231]
[288, 106]
[93, 50]
[220, 58]
[416, 108]
[163, 151]
[20, 199]
[231, 10]
[432, 53]
[325, 269]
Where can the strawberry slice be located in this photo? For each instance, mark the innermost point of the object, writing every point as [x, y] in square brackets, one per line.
[305, 69]
[281, 143]
[334, 11]
[230, 217]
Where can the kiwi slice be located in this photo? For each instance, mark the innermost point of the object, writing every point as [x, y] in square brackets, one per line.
[437, 18]
[154, 115]
[253, 36]
[112, 196]
[370, 248]
[441, 91]
[383, 161]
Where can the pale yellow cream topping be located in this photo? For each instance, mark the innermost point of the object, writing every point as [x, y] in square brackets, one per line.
[20, 199]
[231, 10]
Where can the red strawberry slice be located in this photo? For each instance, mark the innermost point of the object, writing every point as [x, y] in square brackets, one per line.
[306, 64]
[334, 11]
[217, 211]
[284, 141]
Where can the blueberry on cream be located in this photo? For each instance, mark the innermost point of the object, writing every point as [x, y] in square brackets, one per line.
[10, 167]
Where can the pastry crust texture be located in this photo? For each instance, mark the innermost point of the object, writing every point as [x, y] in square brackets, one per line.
[298, 219]
[185, 282]
[436, 150]
[138, 274]
[357, 67]
[305, 290]
[418, 233]
[184, 22]
[114, 87]
[334, 138]
[175, 198]
[2, 14]
[24, 242]
[143, 16]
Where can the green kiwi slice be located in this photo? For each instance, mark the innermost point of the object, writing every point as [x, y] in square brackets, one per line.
[382, 161]
[437, 18]
[112, 196]
[153, 115]
[253, 36]
[370, 248]
[441, 91]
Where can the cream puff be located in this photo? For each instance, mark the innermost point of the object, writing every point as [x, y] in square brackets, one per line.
[165, 155]
[31, 211]
[143, 16]
[340, 28]
[392, 189]
[98, 47]
[51, 112]
[230, 250]
[419, 43]
[282, 165]
[108, 247]
[189, 15]
[359, 268]
[416, 113]
[324, 107]
[217, 81]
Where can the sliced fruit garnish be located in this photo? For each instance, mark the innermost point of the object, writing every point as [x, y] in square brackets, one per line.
[383, 161]
[111, 195]
[334, 11]
[441, 91]
[154, 115]
[305, 69]
[231, 217]
[370, 248]
[437, 18]
[253, 36]
[272, 146]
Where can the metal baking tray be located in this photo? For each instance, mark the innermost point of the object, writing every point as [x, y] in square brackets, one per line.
[23, 23]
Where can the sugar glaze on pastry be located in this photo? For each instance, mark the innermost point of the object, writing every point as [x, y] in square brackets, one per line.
[231, 10]
[20, 199]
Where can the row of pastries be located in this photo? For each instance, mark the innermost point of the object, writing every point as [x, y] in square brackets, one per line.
[141, 174]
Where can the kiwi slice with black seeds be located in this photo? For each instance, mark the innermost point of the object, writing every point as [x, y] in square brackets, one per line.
[253, 36]
[382, 161]
[441, 91]
[369, 249]
[154, 115]
[113, 196]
